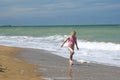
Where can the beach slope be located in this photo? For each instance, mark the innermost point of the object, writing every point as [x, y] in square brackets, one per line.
[54, 67]
[12, 68]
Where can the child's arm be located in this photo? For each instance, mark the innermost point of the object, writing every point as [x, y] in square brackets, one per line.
[64, 42]
[76, 45]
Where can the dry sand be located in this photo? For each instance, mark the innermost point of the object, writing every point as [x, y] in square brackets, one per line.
[54, 67]
[12, 68]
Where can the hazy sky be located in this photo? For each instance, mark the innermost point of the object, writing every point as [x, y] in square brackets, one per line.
[59, 12]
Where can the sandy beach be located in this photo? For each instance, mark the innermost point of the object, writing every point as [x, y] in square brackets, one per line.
[54, 67]
[12, 68]
[22, 64]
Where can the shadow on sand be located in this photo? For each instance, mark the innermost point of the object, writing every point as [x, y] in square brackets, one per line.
[2, 69]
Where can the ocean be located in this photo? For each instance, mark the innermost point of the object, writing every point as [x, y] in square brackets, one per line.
[97, 43]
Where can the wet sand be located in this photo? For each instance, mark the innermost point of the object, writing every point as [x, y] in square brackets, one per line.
[54, 67]
[13, 68]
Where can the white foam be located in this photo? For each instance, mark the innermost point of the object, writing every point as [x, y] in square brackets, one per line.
[101, 52]
[83, 61]
[99, 45]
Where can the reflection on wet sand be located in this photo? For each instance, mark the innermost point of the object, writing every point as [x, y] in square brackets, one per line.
[70, 72]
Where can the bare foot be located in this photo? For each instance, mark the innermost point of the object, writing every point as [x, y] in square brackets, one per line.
[71, 62]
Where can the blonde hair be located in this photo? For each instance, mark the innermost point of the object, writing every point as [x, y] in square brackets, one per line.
[73, 33]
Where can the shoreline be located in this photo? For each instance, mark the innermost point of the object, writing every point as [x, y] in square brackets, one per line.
[13, 68]
[54, 67]
[23, 64]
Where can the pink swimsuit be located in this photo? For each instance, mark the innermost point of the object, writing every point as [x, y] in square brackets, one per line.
[71, 41]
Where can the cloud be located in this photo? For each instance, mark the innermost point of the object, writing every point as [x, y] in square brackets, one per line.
[29, 8]
[41, 10]
[73, 8]
[6, 0]
[15, 11]
[10, 1]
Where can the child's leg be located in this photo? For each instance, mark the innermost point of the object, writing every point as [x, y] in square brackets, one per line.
[71, 54]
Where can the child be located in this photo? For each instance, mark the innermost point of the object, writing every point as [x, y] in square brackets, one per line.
[71, 42]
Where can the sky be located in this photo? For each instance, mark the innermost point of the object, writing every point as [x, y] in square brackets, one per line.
[59, 12]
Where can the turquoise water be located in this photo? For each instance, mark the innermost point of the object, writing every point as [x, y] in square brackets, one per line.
[89, 33]
[99, 44]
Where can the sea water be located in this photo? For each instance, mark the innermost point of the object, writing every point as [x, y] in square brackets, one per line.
[97, 43]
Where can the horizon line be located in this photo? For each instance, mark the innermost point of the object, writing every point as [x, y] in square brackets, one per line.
[65, 25]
